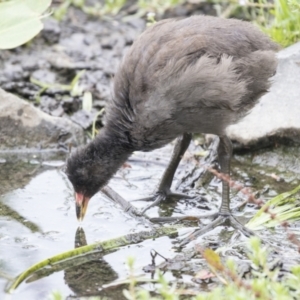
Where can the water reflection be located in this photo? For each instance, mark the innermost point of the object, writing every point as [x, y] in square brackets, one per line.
[86, 279]
[37, 220]
[85, 274]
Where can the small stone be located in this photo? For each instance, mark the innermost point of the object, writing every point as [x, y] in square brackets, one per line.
[44, 75]
[58, 112]
[83, 118]
[51, 31]
[33, 129]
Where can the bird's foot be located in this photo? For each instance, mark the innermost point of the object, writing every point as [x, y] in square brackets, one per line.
[161, 196]
[227, 220]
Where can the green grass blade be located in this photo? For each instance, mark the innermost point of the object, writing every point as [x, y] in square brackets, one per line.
[98, 246]
[283, 206]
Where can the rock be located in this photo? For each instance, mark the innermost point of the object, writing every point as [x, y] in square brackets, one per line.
[47, 104]
[136, 23]
[26, 89]
[12, 72]
[51, 32]
[55, 110]
[70, 104]
[277, 115]
[44, 75]
[58, 59]
[81, 46]
[30, 62]
[84, 118]
[24, 127]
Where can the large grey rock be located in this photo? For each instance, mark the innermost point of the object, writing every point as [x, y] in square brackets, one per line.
[24, 127]
[278, 113]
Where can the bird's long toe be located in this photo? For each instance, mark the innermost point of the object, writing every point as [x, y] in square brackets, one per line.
[237, 225]
[227, 220]
[161, 197]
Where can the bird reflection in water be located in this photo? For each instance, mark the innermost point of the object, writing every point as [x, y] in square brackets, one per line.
[87, 277]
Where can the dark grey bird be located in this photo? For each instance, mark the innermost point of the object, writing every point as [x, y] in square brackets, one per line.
[181, 76]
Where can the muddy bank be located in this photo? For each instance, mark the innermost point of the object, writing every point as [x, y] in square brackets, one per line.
[58, 54]
[67, 72]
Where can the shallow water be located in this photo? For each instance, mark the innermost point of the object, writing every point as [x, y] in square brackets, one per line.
[37, 220]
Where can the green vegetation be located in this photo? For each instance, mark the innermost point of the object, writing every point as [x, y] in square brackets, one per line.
[264, 282]
[20, 21]
[94, 130]
[157, 6]
[110, 7]
[101, 247]
[280, 21]
[113, 7]
[280, 209]
[74, 88]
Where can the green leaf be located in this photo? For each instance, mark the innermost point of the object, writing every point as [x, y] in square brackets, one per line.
[38, 7]
[87, 101]
[76, 89]
[213, 259]
[127, 295]
[283, 206]
[20, 21]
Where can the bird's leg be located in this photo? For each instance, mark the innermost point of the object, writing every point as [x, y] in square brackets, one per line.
[164, 189]
[224, 216]
[224, 155]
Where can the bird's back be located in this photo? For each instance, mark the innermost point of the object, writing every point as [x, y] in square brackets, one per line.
[179, 71]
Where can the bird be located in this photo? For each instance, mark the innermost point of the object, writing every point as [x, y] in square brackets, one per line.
[198, 74]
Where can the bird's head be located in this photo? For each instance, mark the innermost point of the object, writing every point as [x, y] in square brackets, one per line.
[88, 173]
[90, 168]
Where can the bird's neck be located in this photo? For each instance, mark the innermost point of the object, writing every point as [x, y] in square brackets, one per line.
[111, 148]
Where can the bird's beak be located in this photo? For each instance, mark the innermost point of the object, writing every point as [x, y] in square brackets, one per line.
[81, 205]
